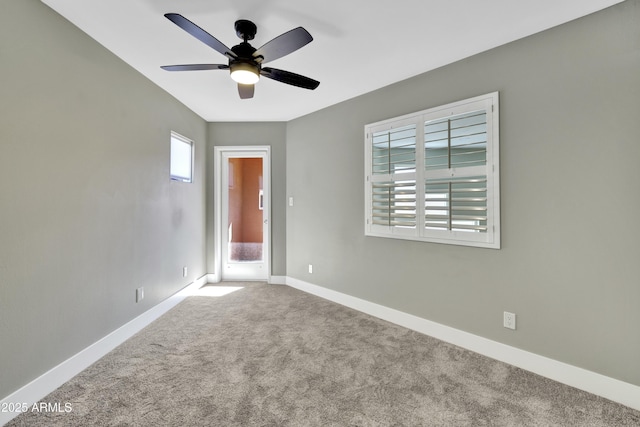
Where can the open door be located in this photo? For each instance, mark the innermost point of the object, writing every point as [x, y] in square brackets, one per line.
[242, 236]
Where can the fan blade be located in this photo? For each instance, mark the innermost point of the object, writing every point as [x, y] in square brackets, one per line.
[200, 34]
[284, 44]
[195, 67]
[289, 78]
[245, 91]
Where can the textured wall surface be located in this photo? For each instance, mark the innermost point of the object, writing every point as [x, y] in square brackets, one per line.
[87, 210]
[568, 267]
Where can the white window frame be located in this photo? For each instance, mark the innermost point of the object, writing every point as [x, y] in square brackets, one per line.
[177, 159]
[488, 239]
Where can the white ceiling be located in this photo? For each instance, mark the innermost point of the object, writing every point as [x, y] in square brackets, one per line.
[359, 45]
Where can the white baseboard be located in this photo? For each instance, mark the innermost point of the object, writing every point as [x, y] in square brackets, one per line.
[273, 280]
[55, 377]
[609, 388]
[278, 280]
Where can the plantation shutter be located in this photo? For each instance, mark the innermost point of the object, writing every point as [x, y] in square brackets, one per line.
[455, 185]
[434, 176]
[393, 178]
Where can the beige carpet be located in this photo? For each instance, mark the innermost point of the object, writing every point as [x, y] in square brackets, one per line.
[271, 355]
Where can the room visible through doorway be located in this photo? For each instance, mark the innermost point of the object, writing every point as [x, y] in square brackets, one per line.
[242, 213]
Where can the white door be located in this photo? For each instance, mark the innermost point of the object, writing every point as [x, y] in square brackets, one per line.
[242, 232]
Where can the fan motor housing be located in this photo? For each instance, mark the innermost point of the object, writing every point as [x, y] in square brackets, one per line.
[246, 29]
[244, 50]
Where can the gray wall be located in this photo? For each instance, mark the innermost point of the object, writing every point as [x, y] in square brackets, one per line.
[87, 210]
[568, 267]
[255, 133]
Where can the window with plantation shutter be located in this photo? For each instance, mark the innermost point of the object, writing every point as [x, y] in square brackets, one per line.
[433, 175]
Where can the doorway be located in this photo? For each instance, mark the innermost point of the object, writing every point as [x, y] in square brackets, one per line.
[242, 213]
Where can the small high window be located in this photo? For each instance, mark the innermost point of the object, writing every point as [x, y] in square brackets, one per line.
[181, 158]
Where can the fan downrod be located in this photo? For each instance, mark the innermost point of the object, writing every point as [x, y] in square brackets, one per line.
[246, 29]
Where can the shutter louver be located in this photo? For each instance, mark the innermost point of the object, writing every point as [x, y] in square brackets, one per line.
[456, 204]
[456, 142]
[455, 150]
[393, 197]
[394, 204]
[394, 151]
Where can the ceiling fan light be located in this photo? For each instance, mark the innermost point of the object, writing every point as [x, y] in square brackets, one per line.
[243, 73]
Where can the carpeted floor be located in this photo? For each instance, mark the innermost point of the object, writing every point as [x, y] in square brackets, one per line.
[271, 355]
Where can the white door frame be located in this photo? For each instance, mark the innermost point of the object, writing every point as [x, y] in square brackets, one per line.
[219, 155]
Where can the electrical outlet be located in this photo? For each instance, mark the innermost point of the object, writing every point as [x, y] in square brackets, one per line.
[184, 271]
[509, 320]
[290, 201]
[139, 294]
[310, 269]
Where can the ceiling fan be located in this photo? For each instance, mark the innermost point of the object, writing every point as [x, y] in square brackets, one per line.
[245, 61]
